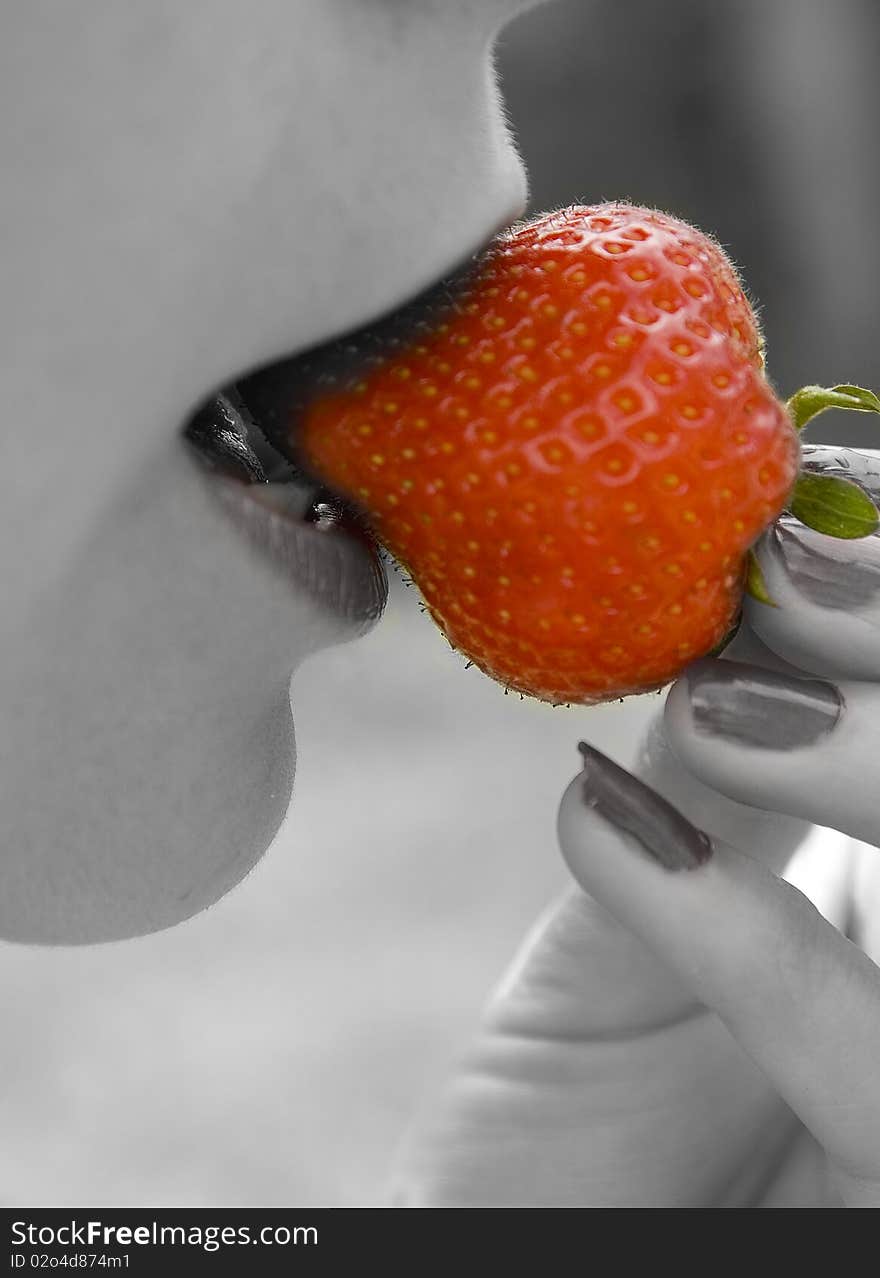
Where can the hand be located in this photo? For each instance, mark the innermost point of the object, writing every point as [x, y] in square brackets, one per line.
[703, 1036]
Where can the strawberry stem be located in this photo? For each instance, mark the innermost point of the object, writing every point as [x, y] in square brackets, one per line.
[756, 586]
[810, 401]
[831, 504]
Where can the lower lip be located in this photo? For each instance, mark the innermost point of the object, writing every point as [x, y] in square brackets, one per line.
[335, 564]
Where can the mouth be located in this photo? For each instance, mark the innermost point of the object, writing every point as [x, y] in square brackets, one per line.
[318, 546]
[244, 437]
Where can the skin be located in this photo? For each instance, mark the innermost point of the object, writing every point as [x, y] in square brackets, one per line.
[206, 189]
[705, 1037]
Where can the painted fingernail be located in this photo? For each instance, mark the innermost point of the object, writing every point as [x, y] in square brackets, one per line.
[634, 807]
[825, 569]
[760, 708]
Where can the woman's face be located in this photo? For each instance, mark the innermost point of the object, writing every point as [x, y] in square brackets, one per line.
[191, 191]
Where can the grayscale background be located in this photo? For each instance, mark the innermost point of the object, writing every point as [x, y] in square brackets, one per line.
[272, 1050]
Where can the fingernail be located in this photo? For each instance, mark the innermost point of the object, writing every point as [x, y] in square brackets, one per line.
[760, 708]
[634, 807]
[824, 569]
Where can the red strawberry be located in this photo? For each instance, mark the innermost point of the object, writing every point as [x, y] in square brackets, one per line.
[571, 448]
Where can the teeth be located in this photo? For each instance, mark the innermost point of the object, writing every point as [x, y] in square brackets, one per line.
[293, 499]
[323, 516]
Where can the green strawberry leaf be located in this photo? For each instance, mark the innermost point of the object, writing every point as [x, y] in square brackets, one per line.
[809, 401]
[756, 586]
[834, 506]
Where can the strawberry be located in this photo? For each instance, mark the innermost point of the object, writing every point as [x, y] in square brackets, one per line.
[571, 447]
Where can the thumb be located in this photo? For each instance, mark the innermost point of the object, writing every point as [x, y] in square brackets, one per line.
[797, 996]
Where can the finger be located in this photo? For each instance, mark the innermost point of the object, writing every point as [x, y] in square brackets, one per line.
[771, 836]
[801, 635]
[800, 999]
[827, 590]
[598, 1077]
[581, 973]
[791, 744]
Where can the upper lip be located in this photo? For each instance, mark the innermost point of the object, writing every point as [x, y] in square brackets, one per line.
[228, 440]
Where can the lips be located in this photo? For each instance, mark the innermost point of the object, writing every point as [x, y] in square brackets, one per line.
[245, 433]
[315, 542]
[316, 547]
